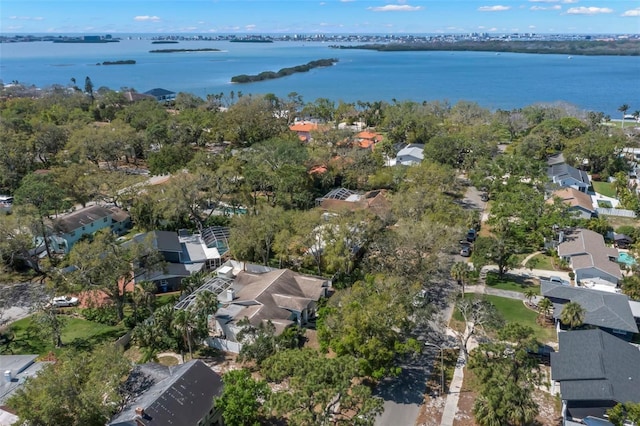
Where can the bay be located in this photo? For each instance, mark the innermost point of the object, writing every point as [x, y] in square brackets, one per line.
[504, 80]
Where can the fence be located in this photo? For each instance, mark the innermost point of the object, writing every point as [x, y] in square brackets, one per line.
[616, 212]
[224, 345]
[123, 342]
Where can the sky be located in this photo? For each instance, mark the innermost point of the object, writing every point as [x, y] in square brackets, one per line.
[319, 16]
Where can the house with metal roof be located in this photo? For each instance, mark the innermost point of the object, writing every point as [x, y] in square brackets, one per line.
[589, 256]
[410, 154]
[161, 95]
[169, 396]
[608, 311]
[565, 175]
[595, 370]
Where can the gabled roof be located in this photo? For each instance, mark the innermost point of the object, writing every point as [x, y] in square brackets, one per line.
[179, 395]
[586, 249]
[592, 365]
[555, 159]
[413, 150]
[564, 171]
[273, 295]
[303, 127]
[574, 198]
[602, 309]
[159, 92]
[80, 218]
[166, 241]
[21, 367]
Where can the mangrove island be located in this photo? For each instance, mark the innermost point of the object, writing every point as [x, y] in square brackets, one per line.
[183, 50]
[269, 75]
[124, 62]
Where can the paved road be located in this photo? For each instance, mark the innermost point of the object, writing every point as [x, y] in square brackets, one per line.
[403, 395]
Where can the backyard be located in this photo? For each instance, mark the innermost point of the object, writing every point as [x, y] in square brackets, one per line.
[605, 188]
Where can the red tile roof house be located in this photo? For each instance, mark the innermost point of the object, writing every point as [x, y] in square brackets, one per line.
[589, 256]
[368, 140]
[304, 129]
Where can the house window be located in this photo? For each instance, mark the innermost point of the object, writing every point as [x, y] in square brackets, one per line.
[73, 234]
[104, 220]
[84, 228]
[92, 224]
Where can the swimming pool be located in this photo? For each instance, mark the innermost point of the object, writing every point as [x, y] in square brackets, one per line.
[626, 258]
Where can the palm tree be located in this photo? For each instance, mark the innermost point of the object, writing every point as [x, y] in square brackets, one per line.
[623, 109]
[545, 306]
[572, 315]
[529, 294]
[185, 321]
[461, 271]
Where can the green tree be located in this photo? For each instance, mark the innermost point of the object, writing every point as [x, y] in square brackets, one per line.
[370, 322]
[529, 294]
[320, 390]
[241, 399]
[259, 342]
[79, 389]
[631, 286]
[545, 307]
[461, 272]
[624, 413]
[572, 315]
[88, 87]
[507, 374]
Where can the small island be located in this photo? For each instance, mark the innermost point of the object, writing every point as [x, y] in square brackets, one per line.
[269, 75]
[183, 50]
[251, 40]
[124, 62]
[164, 42]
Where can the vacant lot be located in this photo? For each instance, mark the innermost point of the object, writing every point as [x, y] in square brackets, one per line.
[512, 283]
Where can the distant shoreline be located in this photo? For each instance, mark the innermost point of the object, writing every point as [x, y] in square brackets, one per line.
[270, 75]
[124, 62]
[576, 48]
[183, 50]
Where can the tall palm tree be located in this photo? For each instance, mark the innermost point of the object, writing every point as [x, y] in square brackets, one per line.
[572, 315]
[185, 321]
[461, 271]
[545, 306]
[623, 109]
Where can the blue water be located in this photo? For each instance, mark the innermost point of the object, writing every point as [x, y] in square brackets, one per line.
[493, 80]
[626, 258]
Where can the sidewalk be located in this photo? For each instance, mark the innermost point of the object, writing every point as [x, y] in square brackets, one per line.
[451, 406]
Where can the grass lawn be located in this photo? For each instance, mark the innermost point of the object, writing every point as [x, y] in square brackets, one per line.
[604, 188]
[515, 311]
[541, 261]
[78, 333]
[510, 282]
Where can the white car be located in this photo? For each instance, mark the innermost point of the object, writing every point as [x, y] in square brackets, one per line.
[64, 301]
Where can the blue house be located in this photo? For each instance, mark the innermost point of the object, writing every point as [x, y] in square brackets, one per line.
[161, 95]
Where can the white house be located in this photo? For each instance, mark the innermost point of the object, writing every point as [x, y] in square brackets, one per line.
[410, 154]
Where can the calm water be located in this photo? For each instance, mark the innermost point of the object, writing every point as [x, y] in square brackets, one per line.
[493, 80]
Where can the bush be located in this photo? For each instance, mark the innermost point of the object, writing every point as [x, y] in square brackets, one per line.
[107, 315]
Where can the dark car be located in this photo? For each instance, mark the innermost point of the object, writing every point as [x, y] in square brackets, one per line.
[471, 235]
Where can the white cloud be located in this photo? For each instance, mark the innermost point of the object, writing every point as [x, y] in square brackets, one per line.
[632, 12]
[26, 18]
[497, 8]
[493, 30]
[250, 27]
[395, 8]
[554, 1]
[347, 1]
[554, 7]
[143, 18]
[322, 3]
[532, 27]
[588, 10]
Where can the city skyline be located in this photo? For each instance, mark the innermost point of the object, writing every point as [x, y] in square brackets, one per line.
[320, 16]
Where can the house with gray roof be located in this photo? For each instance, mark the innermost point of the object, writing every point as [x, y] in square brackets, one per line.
[410, 154]
[68, 229]
[16, 369]
[595, 370]
[281, 297]
[589, 256]
[565, 175]
[610, 312]
[170, 396]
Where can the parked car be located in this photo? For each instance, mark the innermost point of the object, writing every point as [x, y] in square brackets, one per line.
[484, 197]
[559, 280]
[471, 235]
[465, 251]
[64, 301]
[420, 299]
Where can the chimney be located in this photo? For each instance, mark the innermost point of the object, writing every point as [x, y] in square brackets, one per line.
[139, 411]
[230, 295]
[7, 376]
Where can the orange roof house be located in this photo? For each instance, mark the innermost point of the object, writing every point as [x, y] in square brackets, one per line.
[368, 140]
[578, 201]
[303, 129]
